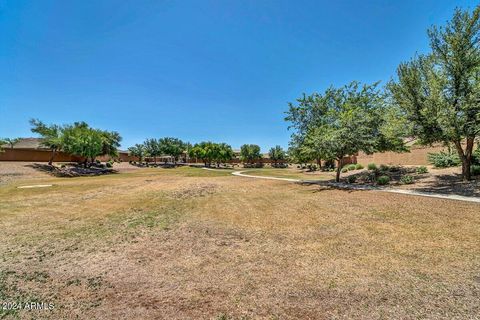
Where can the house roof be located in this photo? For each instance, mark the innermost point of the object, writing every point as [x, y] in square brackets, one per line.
[27, 143]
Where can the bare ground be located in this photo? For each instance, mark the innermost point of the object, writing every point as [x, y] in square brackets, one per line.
[189, 243]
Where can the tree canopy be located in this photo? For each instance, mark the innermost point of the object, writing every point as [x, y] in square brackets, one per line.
[250, 153]
[342, 122]
[439, 92]
[277, 154]
[210, 152]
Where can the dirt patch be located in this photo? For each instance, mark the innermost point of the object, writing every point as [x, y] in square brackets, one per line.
[194, 191]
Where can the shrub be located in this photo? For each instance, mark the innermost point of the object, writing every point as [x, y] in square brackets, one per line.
[371, 166]
[407, 179]
[383, 180]
[475, 169]
[109, 164]
[312, 167]
[444, 159]
[358, 166]
[476, 156]
[351, 167]
[344, 169]
[63, 166]
[422, 170]
[97, 161]
[384, 167]
[351, 179]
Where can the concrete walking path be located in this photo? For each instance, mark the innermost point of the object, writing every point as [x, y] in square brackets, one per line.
[369, 188]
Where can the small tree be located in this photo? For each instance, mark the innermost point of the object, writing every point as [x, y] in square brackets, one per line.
[152, 149]
[110, 142]
[440, 92]
[2, 143]
[277, 154]
[172, 147]
[138, 150]
[224, 153]
[52, 136]
[11, 142]
[250, 153]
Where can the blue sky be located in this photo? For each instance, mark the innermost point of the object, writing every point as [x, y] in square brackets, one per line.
[197, 70]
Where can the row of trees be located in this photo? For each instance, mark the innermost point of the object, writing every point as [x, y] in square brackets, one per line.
[208, 152]
[435, 98]
[77, 139]
[155, 148]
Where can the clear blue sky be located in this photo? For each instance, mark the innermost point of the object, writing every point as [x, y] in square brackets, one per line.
[197, 70]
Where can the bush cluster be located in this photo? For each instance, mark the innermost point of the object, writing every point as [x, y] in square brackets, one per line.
[372, 166]
[383, 180]
[444, 159]
[407, 179]
[422, 170]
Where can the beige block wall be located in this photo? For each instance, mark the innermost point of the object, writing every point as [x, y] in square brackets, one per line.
[416, 156]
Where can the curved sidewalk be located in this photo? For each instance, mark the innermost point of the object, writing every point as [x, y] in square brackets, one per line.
[369, 188]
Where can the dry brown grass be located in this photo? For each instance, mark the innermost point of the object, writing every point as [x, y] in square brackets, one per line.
[189, 243]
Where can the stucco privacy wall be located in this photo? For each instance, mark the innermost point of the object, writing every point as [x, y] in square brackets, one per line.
[417, 156]
[38, 155]
[35, 155]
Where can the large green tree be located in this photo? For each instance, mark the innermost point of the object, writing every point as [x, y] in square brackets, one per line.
[81, 140]
[51, 135]
[138, 150]
[173, 147]
[440, 92]
[277, 154]
[342, 122]
[152, 149]
[250, 153]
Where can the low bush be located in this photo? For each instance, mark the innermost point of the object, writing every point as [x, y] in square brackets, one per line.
[312, 167]
[407, 179]
[109, 164]
[358, 166]
[383, 180]
[344, 169]
[422, 170]
[351, 179]
[444, 159]
[351, 167]
[372, 166]
[476, 156]
[475, 169]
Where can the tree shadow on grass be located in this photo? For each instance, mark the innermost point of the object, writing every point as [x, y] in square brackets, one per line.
[451, 184]
[447, 184]
[71, 170]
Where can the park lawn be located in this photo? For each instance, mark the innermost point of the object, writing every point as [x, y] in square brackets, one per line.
[192, 243]
[291, 173]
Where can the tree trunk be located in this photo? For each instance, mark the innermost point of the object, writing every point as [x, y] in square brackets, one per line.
[51, 158]
[85, 163]
[339, 168]
[465, 157]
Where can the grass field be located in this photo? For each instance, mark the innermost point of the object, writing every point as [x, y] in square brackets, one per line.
[188, 243]
[291, 173]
